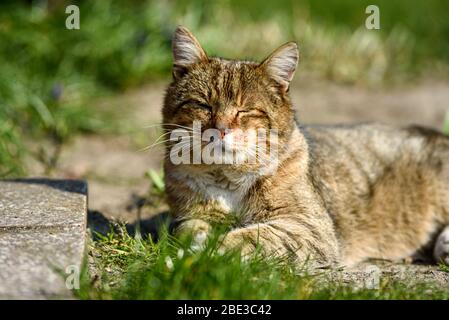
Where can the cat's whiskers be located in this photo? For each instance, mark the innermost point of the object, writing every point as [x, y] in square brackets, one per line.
[250, 150]
[162, 135]
[159, 143]
[256, 151]
[182, 146]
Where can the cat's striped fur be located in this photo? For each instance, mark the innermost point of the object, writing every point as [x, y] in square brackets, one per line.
[340, 194]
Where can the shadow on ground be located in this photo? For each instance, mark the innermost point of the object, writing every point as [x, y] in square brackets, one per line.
[66, 185]
[99, 224]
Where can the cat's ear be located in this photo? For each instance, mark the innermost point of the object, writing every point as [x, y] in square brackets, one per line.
[186, 51]
[282, 63]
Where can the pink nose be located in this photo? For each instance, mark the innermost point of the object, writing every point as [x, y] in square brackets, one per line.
[222, 133]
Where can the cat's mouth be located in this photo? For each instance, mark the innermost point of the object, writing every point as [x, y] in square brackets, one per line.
[215, 147]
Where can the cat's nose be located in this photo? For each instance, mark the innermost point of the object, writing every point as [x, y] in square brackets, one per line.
[222, 128]
[222, 133]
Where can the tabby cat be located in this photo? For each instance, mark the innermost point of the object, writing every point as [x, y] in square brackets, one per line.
[338, 194]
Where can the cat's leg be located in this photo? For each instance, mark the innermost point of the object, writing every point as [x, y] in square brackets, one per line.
[285, 238]
[198, 229]
[441, 249]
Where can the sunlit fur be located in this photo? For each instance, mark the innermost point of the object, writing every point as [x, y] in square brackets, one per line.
[341, 194]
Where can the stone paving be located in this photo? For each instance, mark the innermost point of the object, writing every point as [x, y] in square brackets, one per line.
[42, 236]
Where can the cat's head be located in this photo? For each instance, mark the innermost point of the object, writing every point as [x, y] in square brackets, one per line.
[230, 96]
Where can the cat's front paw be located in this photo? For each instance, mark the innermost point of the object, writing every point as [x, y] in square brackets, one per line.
[196, 228]
[235, 240]
[441, 251]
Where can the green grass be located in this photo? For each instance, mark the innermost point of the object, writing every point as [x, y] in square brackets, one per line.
[444, 267]
[157, 182]
[122, 266]
[131, 268]
[50, 77]
[446, 124]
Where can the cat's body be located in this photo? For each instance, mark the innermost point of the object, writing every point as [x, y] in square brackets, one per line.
[338, 194]
[386, 189]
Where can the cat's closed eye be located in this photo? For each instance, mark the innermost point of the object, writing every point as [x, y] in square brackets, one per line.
[196, 105]
[203, 106]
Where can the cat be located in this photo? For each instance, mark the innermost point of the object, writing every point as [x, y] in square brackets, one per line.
[338, 194]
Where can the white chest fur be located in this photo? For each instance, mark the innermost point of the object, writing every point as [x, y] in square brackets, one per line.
[229, 201]
[228, 190]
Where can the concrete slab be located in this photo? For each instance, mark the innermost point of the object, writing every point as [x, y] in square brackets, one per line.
[42, 233]
[42, 202]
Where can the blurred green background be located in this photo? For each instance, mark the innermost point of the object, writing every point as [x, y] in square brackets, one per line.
[51, 76]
